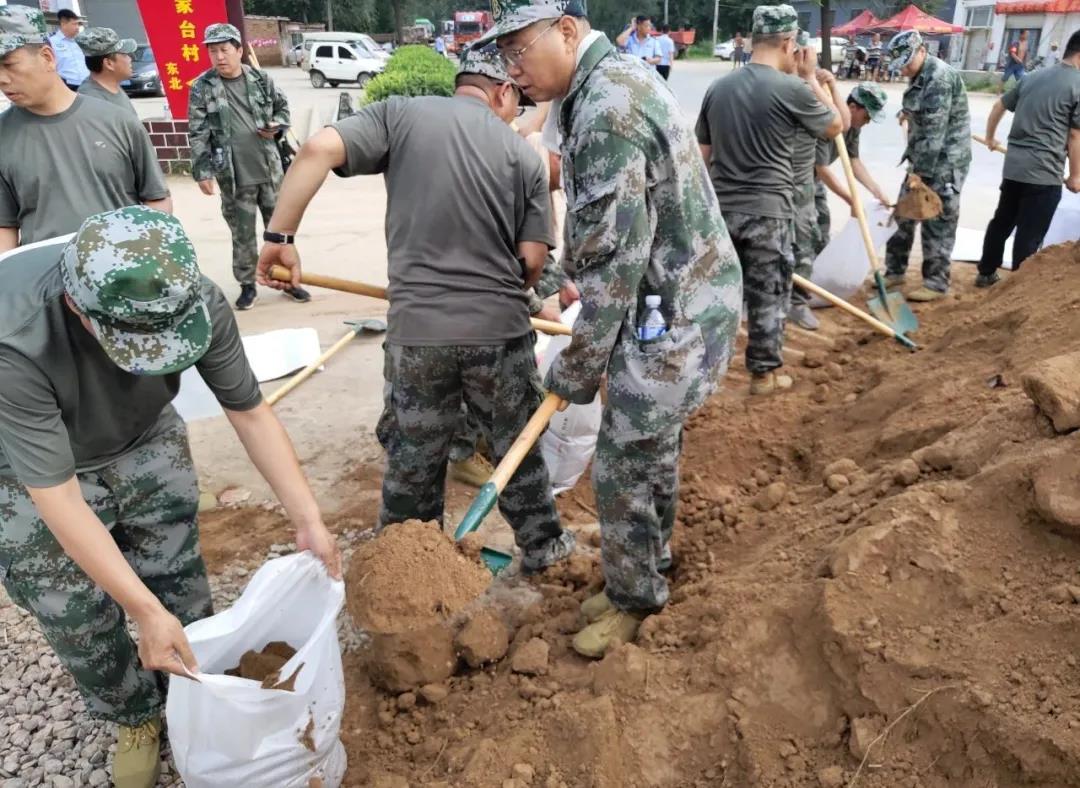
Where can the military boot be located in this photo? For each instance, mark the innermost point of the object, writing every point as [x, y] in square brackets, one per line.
[137, 762]
[925, 294]
[595, 606]
[769, 382]
[474, 471]
[611, 629]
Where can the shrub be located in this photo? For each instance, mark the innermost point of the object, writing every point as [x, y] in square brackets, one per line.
[413, 71]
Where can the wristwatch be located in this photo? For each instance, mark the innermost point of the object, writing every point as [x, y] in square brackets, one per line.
[278, 238]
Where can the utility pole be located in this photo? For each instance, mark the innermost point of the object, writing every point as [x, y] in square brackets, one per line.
[329, 15]
[715, 23]
[665, 11]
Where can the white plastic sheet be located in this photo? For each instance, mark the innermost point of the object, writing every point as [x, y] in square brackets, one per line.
[1065, 226]
[228, 732]
[842, 266]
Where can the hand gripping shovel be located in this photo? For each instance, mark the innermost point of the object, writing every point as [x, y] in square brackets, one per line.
[485, 500]
[281, 274]
[887, 307]
[851, 309]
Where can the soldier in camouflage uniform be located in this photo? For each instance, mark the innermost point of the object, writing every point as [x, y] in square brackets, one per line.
[235, 113]
[98, 494]
[750, 125]
[466, 238]
[642, 221]
[939, 152]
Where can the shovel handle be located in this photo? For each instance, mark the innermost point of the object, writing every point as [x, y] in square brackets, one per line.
[281, 274]
[997, 146]
[309, 370]
[851, 309]
[857, 204]
[525, 440]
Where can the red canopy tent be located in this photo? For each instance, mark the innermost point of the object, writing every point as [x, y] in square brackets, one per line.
[863, 23]
[914, 18]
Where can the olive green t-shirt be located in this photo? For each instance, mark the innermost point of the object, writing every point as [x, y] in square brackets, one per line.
[462, 191]
[249, 162]
[65, 407]
[803, 156]
[90, 87]
[1046, 106]
[827, 152]
[58, 170]
[751, 119]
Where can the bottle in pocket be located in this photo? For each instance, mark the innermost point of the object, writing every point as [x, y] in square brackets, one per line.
[652, 324]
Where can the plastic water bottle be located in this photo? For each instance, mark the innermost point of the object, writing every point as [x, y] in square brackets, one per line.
[653, 325]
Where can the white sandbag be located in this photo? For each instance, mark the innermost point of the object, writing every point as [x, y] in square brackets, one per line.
[569, 442]
[1065, 226]
[842, 266]
[228, 732]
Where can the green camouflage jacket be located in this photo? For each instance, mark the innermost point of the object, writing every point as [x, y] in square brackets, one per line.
[939, 124]
[642, 219]
[210, 128]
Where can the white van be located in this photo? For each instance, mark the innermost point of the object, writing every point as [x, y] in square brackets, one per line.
[334, 62]
[362, 40]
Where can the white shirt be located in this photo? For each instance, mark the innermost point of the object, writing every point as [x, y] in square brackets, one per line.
[551, 136]
[649, 47]
[667, 49]
[70, 60]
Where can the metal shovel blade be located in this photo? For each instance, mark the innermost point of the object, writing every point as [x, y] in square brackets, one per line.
[891, 308]
[494, 560]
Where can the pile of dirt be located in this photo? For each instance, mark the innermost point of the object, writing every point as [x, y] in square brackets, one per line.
[264, 666]
[875, 587]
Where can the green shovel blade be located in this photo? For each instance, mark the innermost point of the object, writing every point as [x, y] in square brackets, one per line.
[891, 308]
[482, 505]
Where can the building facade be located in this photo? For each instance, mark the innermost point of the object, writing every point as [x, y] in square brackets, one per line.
[845, 10]
[992, 27]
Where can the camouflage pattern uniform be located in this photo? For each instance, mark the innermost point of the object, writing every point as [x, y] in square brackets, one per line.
[211, 154]
[939, 152]
[148, 497]
[21, 26]
[806, 238]
[642, 220]
[102, 41]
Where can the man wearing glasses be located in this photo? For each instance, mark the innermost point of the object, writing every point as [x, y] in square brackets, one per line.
[468, 229]
[644, 235]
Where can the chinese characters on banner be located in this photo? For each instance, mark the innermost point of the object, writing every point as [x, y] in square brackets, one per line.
[175, 29]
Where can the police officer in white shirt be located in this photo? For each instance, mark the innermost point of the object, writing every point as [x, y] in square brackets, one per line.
[70, 61]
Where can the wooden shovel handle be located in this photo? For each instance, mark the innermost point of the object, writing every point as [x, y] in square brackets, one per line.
[309, 370]
[525, 440]
[281, 274]
[860, 215]
[842, 304]
[997, 146]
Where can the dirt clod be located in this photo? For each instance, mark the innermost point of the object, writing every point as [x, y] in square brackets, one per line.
[434, 693]
[483, 639]
[265, 665]
[531, 658]
[906, 472]
[831, 777]
[837, 482]
[1057, 491]
[771, 497]
[1052, 386]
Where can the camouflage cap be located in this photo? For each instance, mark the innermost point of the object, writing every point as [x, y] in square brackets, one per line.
[220, 33]
[133, 273]
[513, 15]
[21, 26]
[99, 41]
[903, 46]
[486, 61]
[871, 97]
[773, 19]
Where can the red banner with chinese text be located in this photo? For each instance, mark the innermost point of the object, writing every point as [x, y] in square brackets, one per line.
[175, 29]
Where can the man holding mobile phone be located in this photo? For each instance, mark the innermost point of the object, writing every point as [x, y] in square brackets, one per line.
[638, 41]
[235, 114]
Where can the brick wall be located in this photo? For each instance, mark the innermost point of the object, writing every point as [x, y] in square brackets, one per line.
[264, 35]
[170, 140]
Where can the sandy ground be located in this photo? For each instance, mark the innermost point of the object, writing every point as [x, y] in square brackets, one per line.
[331, 418]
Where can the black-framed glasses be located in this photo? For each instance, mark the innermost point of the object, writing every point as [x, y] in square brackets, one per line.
[513, 57]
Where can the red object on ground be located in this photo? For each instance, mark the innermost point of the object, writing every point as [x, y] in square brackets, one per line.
[863, 23]
[1038, 7]
[913, 18]
[175, 29]
[468, 27]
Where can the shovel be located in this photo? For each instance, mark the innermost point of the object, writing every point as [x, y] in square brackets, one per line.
[887, 307]
[851, 309]
[281, 274]
[357, 326]
[485, 500]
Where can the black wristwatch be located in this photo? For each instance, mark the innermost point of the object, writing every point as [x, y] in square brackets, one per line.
[278, 238]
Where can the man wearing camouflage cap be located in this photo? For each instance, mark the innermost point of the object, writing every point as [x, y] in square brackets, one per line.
[235, 113]
[467, 232]
[109, 59]
[935, 107]
[643, 227]
[107, 160]
[98, 495]
[749, 126]
[865, 103]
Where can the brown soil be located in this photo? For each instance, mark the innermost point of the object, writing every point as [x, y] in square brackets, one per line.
[914, 624]
[265, 666]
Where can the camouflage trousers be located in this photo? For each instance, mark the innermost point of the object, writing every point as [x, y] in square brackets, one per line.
[238, 206]
[806, 241]
[636, 482]
[467, 436]
[763, 244]
[422, 398]
[938, 239]
[824, 219]
[148, 500]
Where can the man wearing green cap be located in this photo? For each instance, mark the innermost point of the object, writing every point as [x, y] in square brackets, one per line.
[235, 113]
[865, 103]
[64, 157]
[466, 237]
[659, 286]
[749, 126]
[108, 57]
[98, 495]
[938, 152]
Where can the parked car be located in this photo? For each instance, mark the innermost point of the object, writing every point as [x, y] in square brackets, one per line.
[837, 46]
[725, 50]
[295, 56]
[145, 80]
[336, 62]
